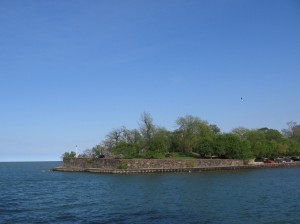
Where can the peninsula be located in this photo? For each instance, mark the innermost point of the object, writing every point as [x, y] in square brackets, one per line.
[195, 145]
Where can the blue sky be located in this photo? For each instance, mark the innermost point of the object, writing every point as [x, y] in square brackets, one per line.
[71, 71]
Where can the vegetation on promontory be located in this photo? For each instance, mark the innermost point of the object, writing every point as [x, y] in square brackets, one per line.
[194, 137]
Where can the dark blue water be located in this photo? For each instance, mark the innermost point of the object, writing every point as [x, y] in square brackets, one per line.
[29, 193]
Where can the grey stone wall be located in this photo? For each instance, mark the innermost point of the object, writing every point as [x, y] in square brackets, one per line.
[148, 163]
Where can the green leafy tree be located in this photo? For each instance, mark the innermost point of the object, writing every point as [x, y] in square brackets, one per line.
[205, 146]
[190, 131]
[241, 132]
[214, 129]
[219, 147]
[99, 150]
[205, 135]
[125, 150]
[177, 141]
[71, 154]
[257, 143]
[233, 147]
[271, 134]
[160, 142]
[199, 138]
[293, 147]
[194, 135]
[121, 139]
[134, 138]
[188, 128]
[147, 131]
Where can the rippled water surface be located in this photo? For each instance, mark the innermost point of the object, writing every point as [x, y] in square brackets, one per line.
[30, 193]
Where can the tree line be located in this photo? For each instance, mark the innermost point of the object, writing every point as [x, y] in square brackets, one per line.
[197, 138]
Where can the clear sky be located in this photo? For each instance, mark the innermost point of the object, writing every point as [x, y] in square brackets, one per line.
[71, 71]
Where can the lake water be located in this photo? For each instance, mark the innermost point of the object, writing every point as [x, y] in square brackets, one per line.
[30, 193]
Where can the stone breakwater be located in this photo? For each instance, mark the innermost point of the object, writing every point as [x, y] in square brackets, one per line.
[136, 164]
[131, 166]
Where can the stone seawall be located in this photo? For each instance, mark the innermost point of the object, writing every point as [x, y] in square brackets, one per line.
[116, 166]
[136, 164]
[178, 170]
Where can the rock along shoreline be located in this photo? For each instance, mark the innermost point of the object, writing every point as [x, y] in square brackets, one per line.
[175, 170]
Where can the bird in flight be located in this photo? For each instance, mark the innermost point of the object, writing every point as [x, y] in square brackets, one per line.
[242, 99]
